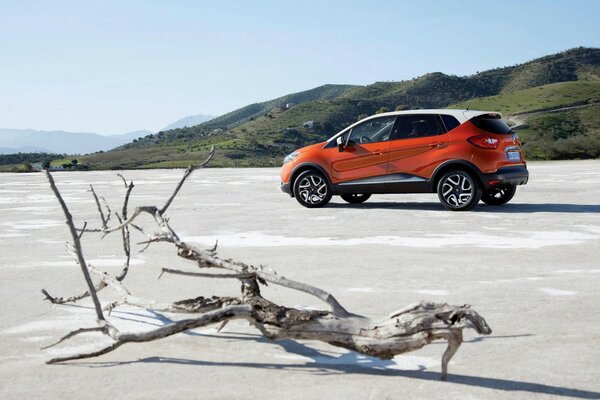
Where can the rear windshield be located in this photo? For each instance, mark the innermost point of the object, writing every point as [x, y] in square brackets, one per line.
[491, 124]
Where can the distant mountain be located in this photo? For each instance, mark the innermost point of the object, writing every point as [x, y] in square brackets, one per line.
[23, 149]
[33, 141]
[188, 121]
[29, 140]
[260, 134]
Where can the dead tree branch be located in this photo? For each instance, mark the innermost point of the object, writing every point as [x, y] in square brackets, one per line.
[125, 238]
[102, 217]
[187, 173]
[405, 330]
[62, 300]
[78, 250]
[125, 231]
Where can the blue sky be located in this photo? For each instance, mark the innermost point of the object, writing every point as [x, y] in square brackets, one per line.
[117, 66]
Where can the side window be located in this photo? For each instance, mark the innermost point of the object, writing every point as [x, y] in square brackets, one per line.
[375, 130]
[415, 126]
[449, 121]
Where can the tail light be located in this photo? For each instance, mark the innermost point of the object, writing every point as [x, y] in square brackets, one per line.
[483, 141]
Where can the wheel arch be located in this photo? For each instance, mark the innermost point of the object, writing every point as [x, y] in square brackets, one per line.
[307, 167]
[451, 165]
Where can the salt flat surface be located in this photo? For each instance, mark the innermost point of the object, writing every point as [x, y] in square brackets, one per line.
[531, 268]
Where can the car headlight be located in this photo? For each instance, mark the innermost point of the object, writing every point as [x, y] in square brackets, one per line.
[291, 156]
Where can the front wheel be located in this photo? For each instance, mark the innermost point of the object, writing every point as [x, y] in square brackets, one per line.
[458, 191]
[355, 198]
[311, 189]
[497, 196]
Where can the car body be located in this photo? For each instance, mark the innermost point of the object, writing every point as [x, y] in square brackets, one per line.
[463, 155]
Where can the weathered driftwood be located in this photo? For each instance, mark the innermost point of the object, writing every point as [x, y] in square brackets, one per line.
[405, 330]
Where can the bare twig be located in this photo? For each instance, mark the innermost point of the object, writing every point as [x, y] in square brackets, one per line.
[82, 231]
[152, 210]
[126, 249]
[102, 218]
[201, 275]
[187, 173]
[63, 300]
[125, 231]
[75, 333]
[239, 311]
[124, 180]
[108, 210]
[79, 252]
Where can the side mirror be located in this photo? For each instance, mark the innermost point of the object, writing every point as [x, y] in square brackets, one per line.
[340, 144]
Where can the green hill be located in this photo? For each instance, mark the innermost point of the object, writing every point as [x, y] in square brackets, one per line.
[260, 134]
[243, 114]
[572, 133]
[556, 121]
[549, 96]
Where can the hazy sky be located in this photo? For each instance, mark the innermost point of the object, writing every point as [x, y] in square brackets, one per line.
[117, 66]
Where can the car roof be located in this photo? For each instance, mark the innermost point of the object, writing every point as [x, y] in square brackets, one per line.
[461, 115]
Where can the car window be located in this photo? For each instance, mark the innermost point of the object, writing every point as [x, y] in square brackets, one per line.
[374, 130]
[450, 122]
[491, 124]
[414, 126]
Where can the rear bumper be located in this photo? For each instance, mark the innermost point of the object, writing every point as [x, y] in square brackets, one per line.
[286, 188]
[517, 175]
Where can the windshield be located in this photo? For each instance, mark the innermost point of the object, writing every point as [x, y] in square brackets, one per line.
[372, 130]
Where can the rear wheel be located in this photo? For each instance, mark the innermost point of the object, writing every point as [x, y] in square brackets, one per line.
[497, 196]
[355, 198]
[311, 189]
[458, 191]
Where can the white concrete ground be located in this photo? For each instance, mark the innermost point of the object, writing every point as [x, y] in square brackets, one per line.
[531, 268]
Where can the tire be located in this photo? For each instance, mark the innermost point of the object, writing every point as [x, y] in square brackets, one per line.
[458, 190]
[355, 198]
[497, 196]
[311, 189]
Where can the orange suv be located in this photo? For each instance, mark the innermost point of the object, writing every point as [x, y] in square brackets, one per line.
[463, 155]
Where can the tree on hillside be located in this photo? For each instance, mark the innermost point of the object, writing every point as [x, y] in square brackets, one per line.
[25, 167]
[382, 110]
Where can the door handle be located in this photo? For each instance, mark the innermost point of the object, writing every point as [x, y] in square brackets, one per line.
[377, 153]
[438, 144]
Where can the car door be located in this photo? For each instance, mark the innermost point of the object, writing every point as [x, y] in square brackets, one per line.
[364, 160]
[418, 144]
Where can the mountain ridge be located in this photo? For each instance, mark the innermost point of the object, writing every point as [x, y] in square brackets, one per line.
[258, 136]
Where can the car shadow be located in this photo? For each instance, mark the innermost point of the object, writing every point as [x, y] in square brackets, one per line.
[507, 208]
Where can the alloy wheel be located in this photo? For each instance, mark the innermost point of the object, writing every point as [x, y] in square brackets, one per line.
[458, 191]
[311, 189]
